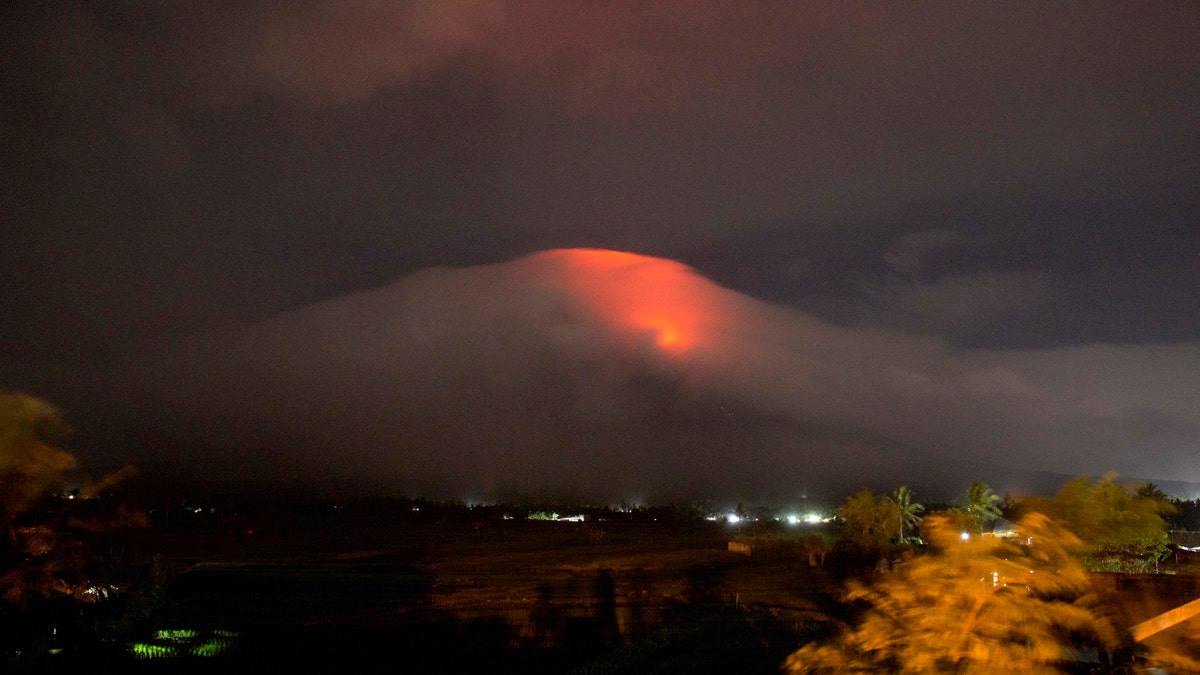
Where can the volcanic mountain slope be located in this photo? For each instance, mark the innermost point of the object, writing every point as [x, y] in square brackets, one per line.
[607, 374]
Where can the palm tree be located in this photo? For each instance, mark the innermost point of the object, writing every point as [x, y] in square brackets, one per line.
[910, 511]
[983, 503]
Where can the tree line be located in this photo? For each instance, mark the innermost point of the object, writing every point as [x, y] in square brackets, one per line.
[949, 591]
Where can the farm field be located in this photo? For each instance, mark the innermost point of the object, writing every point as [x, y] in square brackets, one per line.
[518, 596]
[332, 591]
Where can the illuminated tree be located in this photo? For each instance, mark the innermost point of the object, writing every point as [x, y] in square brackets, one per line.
[30, 464]
[979, 605]
[957, 519]
[54, 550]
[867, 523]
[1122, 527]
[910, 511]
[982, 503]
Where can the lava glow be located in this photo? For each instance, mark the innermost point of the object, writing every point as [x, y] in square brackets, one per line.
[669, 337]
[659, 301]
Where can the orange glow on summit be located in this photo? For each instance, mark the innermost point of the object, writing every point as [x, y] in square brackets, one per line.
[662, 302]
[668, 337]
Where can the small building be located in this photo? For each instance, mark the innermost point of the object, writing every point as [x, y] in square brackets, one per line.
[1185, 540]
[1002, 527]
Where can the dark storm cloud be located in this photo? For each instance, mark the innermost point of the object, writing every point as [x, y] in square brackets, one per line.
[507, 378]
[994, 181]
[364, 139]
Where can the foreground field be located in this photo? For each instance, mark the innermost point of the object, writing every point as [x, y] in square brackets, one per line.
[332, 591]
[516, 595]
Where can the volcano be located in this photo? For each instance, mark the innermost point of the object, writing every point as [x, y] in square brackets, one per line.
[600, 375]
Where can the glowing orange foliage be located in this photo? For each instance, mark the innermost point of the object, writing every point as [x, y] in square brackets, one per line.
[981, 605]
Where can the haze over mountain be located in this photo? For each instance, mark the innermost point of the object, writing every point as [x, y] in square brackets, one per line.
[975, 224]
[602, 374]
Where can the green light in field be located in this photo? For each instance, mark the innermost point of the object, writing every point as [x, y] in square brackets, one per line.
[210, 648]
[146, 650]
[174, 643]
[176, 635]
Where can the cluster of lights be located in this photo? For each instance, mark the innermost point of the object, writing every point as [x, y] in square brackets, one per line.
[97, 592]
[807, 519]
[553, 516]
[790, 519]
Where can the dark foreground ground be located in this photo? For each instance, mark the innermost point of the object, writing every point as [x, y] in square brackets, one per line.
[384, 594]
[411, 593]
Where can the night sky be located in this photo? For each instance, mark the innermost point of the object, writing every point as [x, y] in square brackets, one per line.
[363, 240]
